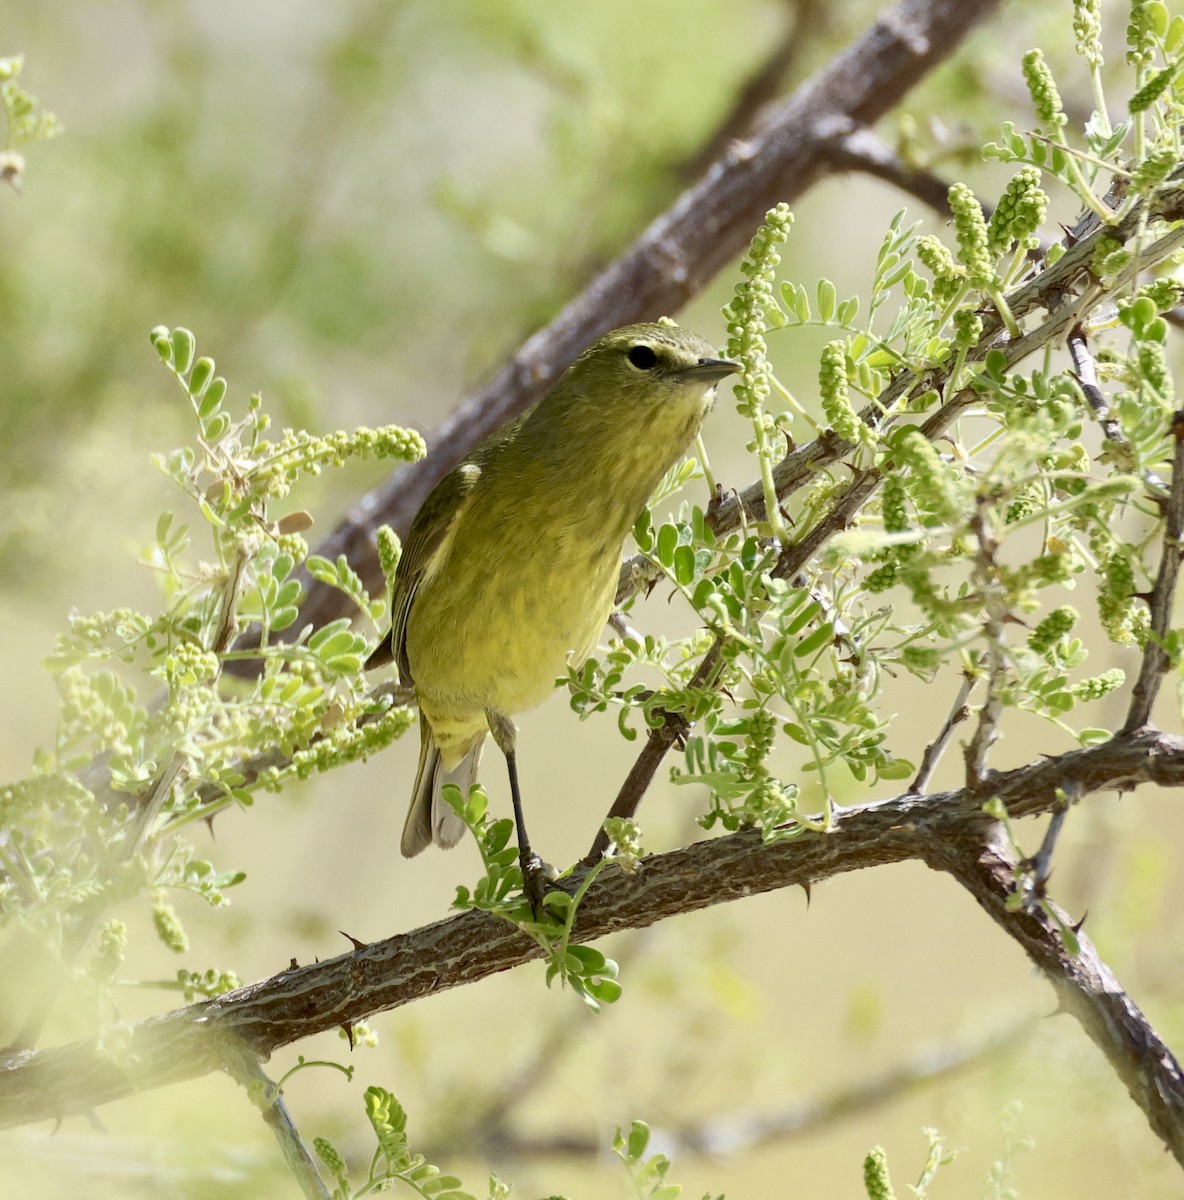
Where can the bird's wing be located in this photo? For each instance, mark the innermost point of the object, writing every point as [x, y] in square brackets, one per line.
[425, 540]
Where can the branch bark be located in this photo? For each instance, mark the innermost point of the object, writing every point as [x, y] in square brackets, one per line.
[946, 830]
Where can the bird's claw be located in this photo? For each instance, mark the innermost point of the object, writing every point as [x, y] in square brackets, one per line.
[537, 879]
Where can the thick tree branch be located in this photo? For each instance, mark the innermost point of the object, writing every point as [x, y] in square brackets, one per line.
[947, 830]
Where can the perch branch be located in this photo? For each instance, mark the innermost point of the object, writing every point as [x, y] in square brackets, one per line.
[947, 830]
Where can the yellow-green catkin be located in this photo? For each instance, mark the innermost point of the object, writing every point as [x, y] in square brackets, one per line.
[746, 312]
[835, 396]
[1087, 30]
[747, 318]
[108, 955]
[1055, 626]
[948, 276]
[876, 1181]
[168, 925]
[968, 327]
[1117, 607]
[970, 226]
[933, 484]
[1046, 97]
[1101, 685]
[390, 550]
[1020, 212]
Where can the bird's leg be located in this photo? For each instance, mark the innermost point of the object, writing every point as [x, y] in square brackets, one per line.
[535, 876]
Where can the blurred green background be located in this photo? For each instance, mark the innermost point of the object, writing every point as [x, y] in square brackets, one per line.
[359, 208]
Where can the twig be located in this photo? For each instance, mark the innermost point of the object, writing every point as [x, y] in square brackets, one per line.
[936, 748]
[660, 740]
[728, 1134]
[1086, 372]
[986, 578]
[1034, 872]
[943, 829]
[861, 150]
[267, 1097]
[1156, 661]
[762, 87]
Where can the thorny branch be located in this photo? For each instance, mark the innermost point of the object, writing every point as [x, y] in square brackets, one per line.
[1085, 987]
[946, 830]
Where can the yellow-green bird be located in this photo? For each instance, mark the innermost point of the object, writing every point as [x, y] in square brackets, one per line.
[511, 565]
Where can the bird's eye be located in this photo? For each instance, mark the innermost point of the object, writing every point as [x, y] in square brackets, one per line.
[642, 357]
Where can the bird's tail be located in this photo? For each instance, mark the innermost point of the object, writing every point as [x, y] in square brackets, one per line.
[430, 819]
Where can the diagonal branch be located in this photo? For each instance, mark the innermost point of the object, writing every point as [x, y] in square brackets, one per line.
[1086, 988]
[672, 260]
[947, 830]
[729, 1133]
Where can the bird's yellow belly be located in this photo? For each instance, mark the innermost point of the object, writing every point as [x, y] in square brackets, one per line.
[506, 645]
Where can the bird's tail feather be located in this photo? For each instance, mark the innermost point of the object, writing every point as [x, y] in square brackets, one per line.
[430, 818]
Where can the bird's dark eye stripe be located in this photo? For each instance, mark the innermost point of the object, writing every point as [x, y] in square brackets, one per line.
[643, 357]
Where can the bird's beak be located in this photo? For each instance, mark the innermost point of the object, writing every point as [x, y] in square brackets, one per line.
[711, 370]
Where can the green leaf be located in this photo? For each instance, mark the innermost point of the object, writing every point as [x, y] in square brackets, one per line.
[214, 396]
[666, 544]
[607, 991]
[803, 618]
[184, 345]
[637, 1141]
[590, 959]
[684, 565]
[216, 428]
[200, 376]
[1093, 737]
[827, 301]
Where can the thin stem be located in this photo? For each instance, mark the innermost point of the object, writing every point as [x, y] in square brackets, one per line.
[1156, 660]
[936, 748]
[267, 1097]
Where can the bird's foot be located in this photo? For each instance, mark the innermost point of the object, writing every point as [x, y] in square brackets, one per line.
[537, 881]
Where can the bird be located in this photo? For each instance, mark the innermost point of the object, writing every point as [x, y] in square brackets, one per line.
[510, 568]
